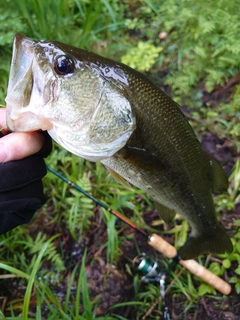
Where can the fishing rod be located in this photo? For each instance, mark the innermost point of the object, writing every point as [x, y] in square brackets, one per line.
[159, 243]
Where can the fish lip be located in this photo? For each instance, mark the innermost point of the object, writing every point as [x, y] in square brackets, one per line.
[20, 72]
[34, 120]
[22, 58]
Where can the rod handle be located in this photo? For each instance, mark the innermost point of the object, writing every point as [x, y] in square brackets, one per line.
[193, 266]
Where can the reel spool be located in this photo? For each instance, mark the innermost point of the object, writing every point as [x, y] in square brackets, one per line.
[149, 268]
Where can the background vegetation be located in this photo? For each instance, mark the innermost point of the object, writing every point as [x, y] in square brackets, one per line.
[191, 49]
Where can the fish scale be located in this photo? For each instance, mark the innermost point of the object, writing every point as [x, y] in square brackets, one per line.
[168, 156]
[102, 110]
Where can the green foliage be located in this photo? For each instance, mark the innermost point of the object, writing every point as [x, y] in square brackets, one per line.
[230, 258]
[229, 201]
[50, 252]
[112, 242]
[181, 234]
[206, 289]
[45, 296]
[184, 285]
[46, 18]
[82, 23]
[200, 46]
[9, 22]
[53, 20]
[222, 265]
[208, 45]
[81, 207]
[144, 300]
[223, 121]
[235, 185]
[82, 298]
[31, 273]
[142, 57]
[21, 249]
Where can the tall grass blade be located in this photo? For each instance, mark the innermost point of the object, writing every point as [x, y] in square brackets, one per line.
[82, 291]
[14, 270]
[32, 278]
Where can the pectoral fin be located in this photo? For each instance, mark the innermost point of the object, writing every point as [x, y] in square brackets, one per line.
[165, 213]
[140, 158]
[220, 180]
[119, 178]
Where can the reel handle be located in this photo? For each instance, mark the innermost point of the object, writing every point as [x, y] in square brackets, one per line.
[193, 266]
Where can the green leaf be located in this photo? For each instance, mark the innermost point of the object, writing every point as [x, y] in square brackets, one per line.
[205, 288]
[237, 271]
[237, 287]
[216, 268]
[237, 246]
[237, 235]
[226, 263]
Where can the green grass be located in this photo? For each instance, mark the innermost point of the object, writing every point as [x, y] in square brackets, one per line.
[199, 50]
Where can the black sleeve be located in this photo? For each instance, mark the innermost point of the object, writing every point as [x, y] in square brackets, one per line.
[21, 189]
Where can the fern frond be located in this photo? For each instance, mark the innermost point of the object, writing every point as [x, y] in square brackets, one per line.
[51, 253]
[81, 208]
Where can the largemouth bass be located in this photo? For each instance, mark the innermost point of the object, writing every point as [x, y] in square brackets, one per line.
[102, 110]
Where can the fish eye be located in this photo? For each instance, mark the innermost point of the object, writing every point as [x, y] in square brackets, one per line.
[64, 65]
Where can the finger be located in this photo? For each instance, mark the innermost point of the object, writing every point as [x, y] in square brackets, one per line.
[19, 145]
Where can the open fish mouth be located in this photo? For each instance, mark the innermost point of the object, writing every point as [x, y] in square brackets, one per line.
[20, 78]
[20, 88]
[22, 58]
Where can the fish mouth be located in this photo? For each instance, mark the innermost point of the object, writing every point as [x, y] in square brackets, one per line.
[22, 58]
[20, 78]
[20, 88]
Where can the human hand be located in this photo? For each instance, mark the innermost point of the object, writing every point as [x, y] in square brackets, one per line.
[22, 168]
[18, 145]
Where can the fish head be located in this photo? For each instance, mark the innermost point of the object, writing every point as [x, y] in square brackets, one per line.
[81, 100]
